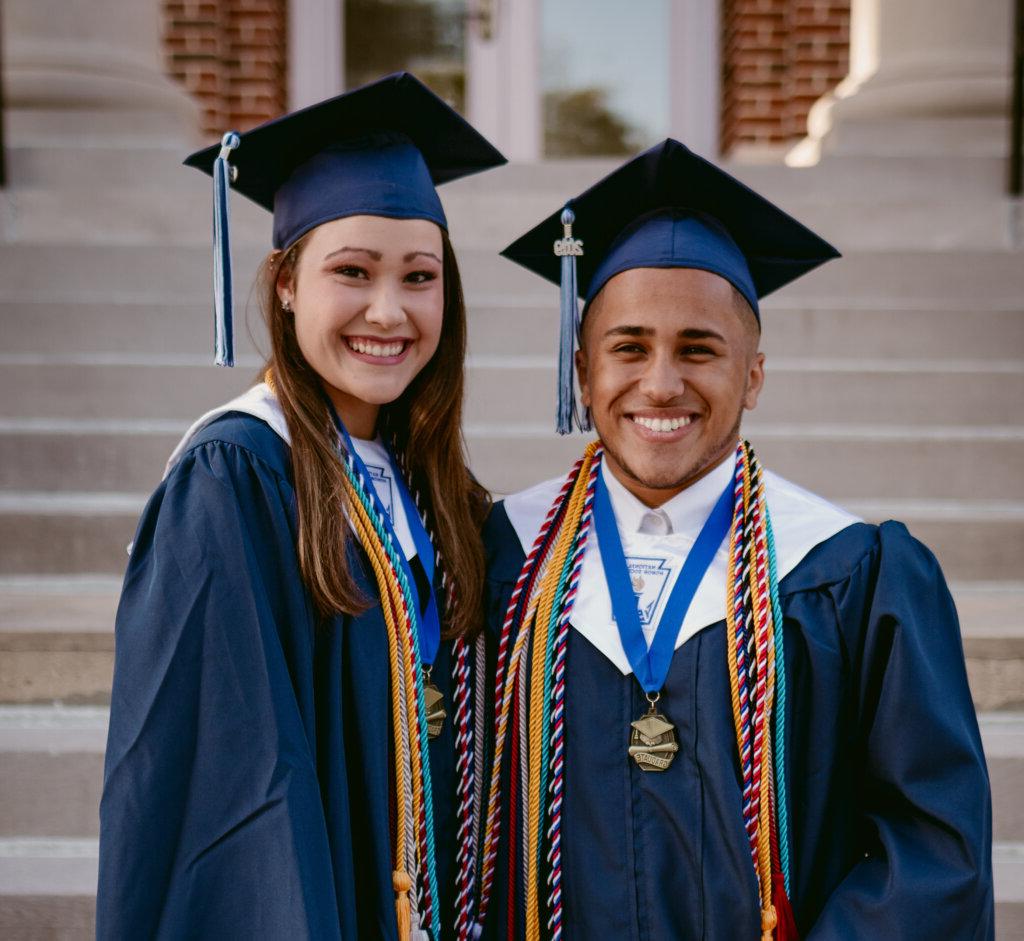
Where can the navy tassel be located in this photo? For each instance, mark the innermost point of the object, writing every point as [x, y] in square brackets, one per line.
[223, 176]
[567, 248]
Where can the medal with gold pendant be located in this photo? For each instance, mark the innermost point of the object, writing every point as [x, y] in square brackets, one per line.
[653, 742]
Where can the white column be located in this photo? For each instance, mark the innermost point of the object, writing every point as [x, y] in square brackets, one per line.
[101, 59]
[503, 93]
[694, 75]
[316, 51]
[923, 74]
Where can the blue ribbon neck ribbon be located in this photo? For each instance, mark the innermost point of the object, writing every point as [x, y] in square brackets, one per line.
[429, 624]
[651, 665]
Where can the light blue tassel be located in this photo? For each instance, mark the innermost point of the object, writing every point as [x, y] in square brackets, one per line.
[568, 249]
[223, 176]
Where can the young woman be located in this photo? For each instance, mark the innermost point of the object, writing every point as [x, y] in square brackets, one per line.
[291, 750]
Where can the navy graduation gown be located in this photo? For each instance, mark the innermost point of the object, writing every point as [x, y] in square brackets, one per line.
[889, 802]
[246, 790]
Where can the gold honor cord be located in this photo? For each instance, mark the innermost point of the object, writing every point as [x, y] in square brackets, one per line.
[541, 626]
[407, 741]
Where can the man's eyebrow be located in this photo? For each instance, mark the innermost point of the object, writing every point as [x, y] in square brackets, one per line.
[630, 331]
[411, 255]
[697, 333]
[376, 256]
[690, 333]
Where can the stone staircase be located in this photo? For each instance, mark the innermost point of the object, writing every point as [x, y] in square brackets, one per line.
[895, 385]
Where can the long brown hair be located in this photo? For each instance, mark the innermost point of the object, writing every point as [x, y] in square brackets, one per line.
[424, 425]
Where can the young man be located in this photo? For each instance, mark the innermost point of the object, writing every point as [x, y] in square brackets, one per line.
[727, 709]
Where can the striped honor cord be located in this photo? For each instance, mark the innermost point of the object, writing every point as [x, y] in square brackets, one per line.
[756, 671]
[536, 601]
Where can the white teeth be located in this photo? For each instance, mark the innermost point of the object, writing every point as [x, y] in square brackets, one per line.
[376, 349]
[661, 424]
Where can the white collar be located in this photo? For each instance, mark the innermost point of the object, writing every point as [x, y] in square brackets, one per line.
[685, 512]
[800, 520]
[258, 401]
[261, 403]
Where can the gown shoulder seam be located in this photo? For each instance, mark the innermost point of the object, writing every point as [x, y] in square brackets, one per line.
[223, 442]
[845, 576]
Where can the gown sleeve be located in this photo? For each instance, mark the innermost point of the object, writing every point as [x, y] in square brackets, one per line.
[925, 799]
[211, 819]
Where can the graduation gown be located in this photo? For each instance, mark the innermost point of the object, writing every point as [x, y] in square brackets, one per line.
[888, 795]
[246, 790]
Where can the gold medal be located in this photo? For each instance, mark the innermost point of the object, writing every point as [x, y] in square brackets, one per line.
[433, 699]
[653, 742]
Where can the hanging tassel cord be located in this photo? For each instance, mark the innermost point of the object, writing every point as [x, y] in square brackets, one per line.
[567, 249]
[224, 174]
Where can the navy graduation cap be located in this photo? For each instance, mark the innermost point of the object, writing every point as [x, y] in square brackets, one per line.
[378, 150]
[667, 208]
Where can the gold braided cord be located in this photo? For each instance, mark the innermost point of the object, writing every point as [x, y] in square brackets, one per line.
[398, 650]
[730, 646]
[540, 629]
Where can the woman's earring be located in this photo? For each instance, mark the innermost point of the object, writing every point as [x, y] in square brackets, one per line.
[286, 306]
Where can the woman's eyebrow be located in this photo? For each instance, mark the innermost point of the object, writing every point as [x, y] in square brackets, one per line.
[376, 256]
[412, 255]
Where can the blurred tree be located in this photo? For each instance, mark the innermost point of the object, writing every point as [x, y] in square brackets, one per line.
[579, 123]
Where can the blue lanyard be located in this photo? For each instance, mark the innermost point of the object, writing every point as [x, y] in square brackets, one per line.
[430, 622]
[651, 666]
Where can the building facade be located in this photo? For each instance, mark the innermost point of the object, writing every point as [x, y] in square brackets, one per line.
[544, 78]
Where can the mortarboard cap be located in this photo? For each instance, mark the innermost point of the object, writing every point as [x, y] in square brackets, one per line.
[378, 150]
[666, 208]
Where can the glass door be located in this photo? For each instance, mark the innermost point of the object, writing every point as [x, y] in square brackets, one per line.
[605, 76]
[426, 37]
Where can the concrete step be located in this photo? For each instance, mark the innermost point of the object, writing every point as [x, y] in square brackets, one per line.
[891, 331]
[86, 533]
[56, 764]
[48, 889]
[504, 391]
[936, 204]
[97, 164]
[174, 273]
[912, 461]
[57, 639]
[52, 770]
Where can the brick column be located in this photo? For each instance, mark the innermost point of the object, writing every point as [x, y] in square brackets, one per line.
[229, 55]
[778, 58]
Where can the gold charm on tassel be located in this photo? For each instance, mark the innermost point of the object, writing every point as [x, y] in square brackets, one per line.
[402, 883]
